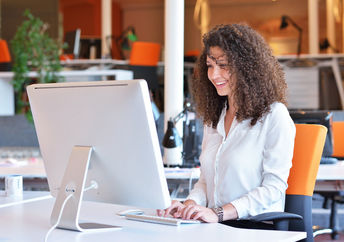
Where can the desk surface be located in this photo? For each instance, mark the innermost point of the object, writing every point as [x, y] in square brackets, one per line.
[30, 222]
[331, 172]
[28, 196]
[325, 172]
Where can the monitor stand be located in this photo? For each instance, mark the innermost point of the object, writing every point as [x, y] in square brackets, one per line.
[73, 182]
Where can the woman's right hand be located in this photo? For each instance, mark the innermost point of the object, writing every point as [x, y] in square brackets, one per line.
[175, 209]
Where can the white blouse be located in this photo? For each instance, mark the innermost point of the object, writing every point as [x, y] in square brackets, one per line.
[250, 167]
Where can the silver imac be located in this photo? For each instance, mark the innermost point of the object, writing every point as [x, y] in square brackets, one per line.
[101, 133]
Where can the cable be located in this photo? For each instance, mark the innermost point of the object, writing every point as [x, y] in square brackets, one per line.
[59, 218]
[94, 185]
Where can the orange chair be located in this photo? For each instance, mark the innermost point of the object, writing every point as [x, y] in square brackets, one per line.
[309, 144]
[4, 52]
[143, 62]
[144, 54]
[338, 138]
[5, 58]
[336, 197]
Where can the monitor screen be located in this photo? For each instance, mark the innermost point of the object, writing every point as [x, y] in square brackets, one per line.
[115, 119]
[317, 117]
[72, 38]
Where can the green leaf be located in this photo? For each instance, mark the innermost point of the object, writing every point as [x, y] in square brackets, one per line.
[33, 50]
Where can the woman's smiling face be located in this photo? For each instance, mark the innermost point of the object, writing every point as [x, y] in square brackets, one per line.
[218, 71]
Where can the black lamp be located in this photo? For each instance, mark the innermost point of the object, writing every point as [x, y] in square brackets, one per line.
[325, 44]
[284, 23]
[172, 142]
[171, 137]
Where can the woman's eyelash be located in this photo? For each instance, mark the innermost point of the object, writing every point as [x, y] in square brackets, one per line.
[223, 66]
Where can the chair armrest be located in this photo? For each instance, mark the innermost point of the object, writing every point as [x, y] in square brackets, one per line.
[280, 219]
[274, 216]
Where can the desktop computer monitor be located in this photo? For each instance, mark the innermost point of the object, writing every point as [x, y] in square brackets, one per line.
[318, 117]
[108, 124]
[72, 38]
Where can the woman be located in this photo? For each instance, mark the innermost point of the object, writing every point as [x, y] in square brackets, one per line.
[247, 149]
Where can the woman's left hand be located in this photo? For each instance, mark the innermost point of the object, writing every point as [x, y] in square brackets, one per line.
[198, 212]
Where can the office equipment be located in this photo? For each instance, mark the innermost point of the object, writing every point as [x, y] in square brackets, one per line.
[182, 151]
[124, 41]
[113, 120]
[172, 143]
[90, 48]
[129, 211]
[31, 219]
[160, 220]
[284, 23]
[72, 38]
[325, 44]
[323, 118]
[309, 143]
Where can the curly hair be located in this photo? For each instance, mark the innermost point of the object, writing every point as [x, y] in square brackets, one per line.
[259, 77]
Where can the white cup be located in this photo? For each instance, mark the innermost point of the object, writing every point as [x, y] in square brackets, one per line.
[14, 185]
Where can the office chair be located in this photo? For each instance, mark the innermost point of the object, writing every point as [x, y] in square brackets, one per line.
[309, 143]
[144, 57]
[5, 58]
[336, 197]
[338, 139]
[143, 61]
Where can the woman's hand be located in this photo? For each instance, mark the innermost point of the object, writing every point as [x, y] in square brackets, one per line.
[189, 210]
[198, 212]
[173, 210]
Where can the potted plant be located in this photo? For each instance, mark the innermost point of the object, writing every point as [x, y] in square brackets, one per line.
[33, 50]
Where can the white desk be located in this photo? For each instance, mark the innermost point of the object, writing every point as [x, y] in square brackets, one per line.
[30, 222]
[28, 196]
[330, 177]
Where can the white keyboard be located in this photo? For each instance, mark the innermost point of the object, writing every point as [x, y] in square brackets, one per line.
[160, 220]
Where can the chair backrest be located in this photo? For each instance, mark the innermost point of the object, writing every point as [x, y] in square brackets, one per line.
[144, 54]
[4, 52]
[309, 144]
[143, 62]
[338, 138]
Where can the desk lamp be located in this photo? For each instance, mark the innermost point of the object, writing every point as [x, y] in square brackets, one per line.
[172, 142]
[296, 62]
[284, 23]
[123, 41]
[325, 44]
